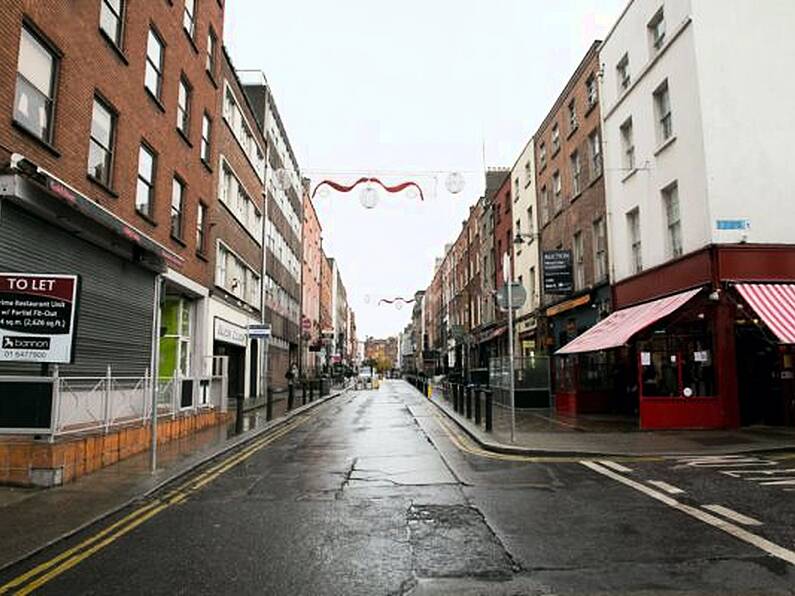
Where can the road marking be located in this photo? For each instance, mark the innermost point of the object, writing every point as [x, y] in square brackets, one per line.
[614, 466]
[669, 488]
[733, 515]
[73, 556]
[740, 533]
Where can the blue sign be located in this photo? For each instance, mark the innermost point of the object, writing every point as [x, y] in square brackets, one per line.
[733, 224]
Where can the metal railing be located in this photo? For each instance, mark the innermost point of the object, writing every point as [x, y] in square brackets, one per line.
[99, 404]
[532, 380]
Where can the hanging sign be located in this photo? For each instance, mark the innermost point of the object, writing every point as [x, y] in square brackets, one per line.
[558, 277]
[37, 317]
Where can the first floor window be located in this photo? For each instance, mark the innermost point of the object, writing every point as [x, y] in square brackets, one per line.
[177, 206]
[175, 344]
[35, 88]
[145, 188]
[662, 106]
[576, 173]
[673, 220]
[633, 229]
[628, 145]
[201, 228]
[579, 262]
[595, 145]
[600, 250]
[100, 147]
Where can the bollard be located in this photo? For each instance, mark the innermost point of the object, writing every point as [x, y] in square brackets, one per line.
[489, 405]
[311, 390]
[290, 396]
[476, 390]
[269, 404]
[238, 415]
[469, 402]
[457, 394]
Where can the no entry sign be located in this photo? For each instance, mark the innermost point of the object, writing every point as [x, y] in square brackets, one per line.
[37, 317]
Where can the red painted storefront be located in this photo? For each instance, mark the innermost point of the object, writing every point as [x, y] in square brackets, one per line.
[706, 329]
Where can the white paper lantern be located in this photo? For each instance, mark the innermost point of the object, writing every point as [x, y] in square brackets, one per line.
[455, 183]
[369, 197]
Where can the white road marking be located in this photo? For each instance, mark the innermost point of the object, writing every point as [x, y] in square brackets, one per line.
[614, 466]
[733, 515]
[669, 488]
[740, 533]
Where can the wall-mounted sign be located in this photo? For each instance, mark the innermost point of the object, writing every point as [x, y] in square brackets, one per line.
[230, 333]
[259, 331]
[558, 277]
[37, 317]
[733, 224]
[568, 305]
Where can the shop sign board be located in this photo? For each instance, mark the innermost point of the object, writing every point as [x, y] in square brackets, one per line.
[557, 267]
[37, 317]
[230, 333]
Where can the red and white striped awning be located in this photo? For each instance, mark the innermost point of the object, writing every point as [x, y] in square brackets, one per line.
[775, 305]
[617, 329]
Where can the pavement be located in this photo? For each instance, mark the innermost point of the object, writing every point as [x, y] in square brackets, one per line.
[378, 493]
[33, 518]
[545, 433]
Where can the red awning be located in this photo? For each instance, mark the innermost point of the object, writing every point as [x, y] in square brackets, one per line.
[618, 328]
[775, 305]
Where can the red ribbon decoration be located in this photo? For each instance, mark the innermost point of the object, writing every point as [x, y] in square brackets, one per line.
[393, 189]
[398, 299]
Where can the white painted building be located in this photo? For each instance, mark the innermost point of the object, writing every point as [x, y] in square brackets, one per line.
[526, 259]
[697, 120]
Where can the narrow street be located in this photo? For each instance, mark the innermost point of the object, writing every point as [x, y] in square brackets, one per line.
[376, 493]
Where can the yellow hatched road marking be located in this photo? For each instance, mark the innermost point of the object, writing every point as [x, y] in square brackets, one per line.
[73, 556]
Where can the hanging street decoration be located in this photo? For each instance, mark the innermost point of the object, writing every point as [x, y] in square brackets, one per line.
[370, 182]
[455, 183]
[399, 302]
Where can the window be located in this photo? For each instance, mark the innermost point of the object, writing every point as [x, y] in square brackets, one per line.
[662, 108]
[177, 207]
[555, 138]
[153, 77]
[212, 45]
[144, 191]
[573, 116]
[175, 344]
[245, 137]
[657, 30]
[528, 173]
[204, 151]
[556, 188]
[183, 106]
[110, 22]
[593, 93]
[673, 220]
[633, 228]
[530, 224]
[189, 17]
[576, 173]
[201, 229]
[622, 69]
[516, 189]
[232, 194]
[595, 146]
[628, 145]
[532, 287]
[542, 156]
[600, 250]
[579, 262]
[100, 146]
[35, 90]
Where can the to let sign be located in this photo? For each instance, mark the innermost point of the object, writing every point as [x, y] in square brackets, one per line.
[558, 277]
[37, 317]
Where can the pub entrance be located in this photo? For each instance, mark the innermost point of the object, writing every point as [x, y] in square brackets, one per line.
[764, 376]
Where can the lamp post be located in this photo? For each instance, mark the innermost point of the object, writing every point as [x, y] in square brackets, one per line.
[508, 277]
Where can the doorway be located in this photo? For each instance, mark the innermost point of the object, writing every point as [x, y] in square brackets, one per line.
[758, 378]
[253, 374]
[237, 368]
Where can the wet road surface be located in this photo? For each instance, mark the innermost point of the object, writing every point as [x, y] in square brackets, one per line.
[375, 493]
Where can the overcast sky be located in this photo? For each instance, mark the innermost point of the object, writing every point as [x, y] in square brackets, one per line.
[409, 90]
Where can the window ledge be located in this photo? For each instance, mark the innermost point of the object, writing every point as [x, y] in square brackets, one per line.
[542, 168]
[103, 186]
[203, 256]
[575, 196]
[664, 145]
[147, 218]
[555, 152]
[156, 101]
[207, 165]
[591, 107]
[184, 136]
[211, 76]
[113, 46]
[31, 135]
[631, 173]
[572, 131]
[178, 240]
[595, 179]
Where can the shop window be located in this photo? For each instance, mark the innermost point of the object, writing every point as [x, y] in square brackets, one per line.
[175, 344]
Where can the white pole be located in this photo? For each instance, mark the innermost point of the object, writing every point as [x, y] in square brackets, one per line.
[155, 374]
[510, 350]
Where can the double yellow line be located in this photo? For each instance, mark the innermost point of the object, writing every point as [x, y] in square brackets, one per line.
[45, 572]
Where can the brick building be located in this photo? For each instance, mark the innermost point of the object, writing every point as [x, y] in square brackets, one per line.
[382, 350]
[326, 298]
[311, 286]
[571, 206]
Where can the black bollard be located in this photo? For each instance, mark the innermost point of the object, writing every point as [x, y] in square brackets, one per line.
[469, 402]
[311, 390]
[269, 404]
[489, 406]
[457, 393]
[476, 391]
[290, 396]
[238, 414]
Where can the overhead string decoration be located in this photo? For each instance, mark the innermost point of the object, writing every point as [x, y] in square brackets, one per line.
[369, 195]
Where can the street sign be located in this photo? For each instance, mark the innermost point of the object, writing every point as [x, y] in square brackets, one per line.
[733, 224]
[37, 317]
[558, 277]
[306, 324]
[259, 331]
[518, 296]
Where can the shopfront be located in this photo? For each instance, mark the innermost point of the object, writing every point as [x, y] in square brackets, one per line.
[231, 340]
